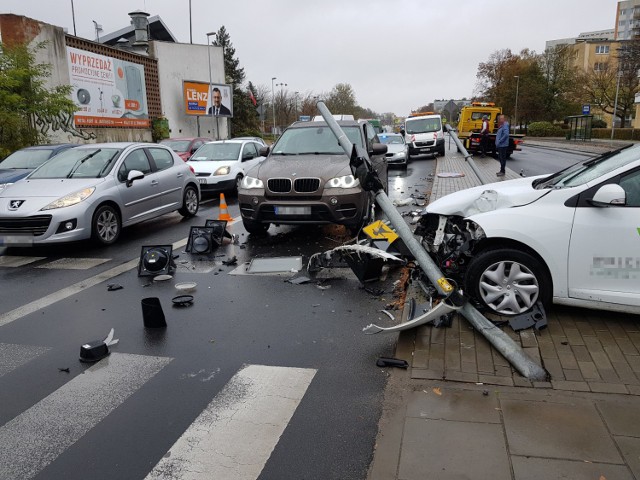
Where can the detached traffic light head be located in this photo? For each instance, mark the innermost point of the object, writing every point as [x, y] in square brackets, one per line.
[156, 260]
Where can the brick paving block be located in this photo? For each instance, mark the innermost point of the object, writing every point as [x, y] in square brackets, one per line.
[634, 363]
[498, 359]
[609, 376]
[424, 330]
[469, 367]
[601, 359]
[542, 385]
[573, 375]
[520, 381]
[420, 359]
[567, 360]
[458, 376]
[585, 328]
[614, 353]
[606, 339]
[548, 351]
[554, 368]
[598, 325]
[534, 354]
[634, 389]
[502, 371]
[593, 344]
[574, 336]
[589, 371]
[423, 342]
[570, 386]
[598, 387]
[627, 347]
[635, 338]
[484, 357]
[581, 353]
[626, 374]
[452, 357]
[630, 324]
[495, 380]
[616, 329]
[528, 338]
[555, 329]
[437, 335]
[425, 374]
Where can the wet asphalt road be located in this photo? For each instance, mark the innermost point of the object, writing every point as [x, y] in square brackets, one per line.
[47, 313]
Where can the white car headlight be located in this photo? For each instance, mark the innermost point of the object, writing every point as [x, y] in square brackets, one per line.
[71, 199]
[250, 182]
[222, 171]
[348, 181]
[4, 185]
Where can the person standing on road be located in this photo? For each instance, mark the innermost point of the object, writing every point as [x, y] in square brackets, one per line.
[484, 136]
[502, 143]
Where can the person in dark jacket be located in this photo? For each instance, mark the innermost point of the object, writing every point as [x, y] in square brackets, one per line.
[502, 143]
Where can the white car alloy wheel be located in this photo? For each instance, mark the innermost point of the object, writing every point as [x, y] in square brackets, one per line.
[190, 203]
[106, 225]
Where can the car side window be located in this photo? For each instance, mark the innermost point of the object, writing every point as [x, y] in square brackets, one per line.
[162, 158]
[249, 152]
[631, 185]
[136, 160]
[371, 135]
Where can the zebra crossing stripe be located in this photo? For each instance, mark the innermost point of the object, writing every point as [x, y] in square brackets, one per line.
[36, 437]
[234, 436]
[12, 356]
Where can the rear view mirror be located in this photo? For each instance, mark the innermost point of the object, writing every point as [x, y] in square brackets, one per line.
[264, 151]
[609, 195]
[134, 175]
[378, 149]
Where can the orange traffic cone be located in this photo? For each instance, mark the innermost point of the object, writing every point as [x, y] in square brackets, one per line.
[224, 212]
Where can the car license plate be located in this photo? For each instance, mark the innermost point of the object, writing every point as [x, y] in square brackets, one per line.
[202, 180]
[425, 149]
[293, 210]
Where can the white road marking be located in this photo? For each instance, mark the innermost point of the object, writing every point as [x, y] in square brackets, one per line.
[17, 261]
[234, 436]
[54, 297]
[74, 263]
[12, 356]
[35, 438]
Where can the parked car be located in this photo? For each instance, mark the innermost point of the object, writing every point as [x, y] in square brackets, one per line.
[397, 149]
[306, 179]
[254, 139]
[570, 238]
[185, 147]
[22, 162]
[93, 191]
[220, 166]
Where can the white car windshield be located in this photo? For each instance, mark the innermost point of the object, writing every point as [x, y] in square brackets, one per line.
[314, 141]
[584, 172]
[79, 163]
[391, 139]
[422, 125]
[177, 145]
[217, 152]
[26, 159]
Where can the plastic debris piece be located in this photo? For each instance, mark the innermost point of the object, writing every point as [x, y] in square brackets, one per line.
[232, 261]
[403, 202]
[440, 309]
[66, 370]
[182, 301]
[114, 286]
[98, 349]
[437, 390]
[450, 174]
[299, 280]
[391, 362]
[389, 314]
[535, 318]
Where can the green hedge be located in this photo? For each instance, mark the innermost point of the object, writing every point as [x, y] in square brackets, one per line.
[619, 133]
[544, 129]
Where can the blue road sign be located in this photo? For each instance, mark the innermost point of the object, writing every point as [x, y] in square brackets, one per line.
[586, 109]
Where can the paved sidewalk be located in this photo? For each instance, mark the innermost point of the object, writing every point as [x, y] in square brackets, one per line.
[461, 412]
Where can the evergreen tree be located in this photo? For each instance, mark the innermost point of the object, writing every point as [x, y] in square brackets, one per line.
[245, 121]
[24, 98]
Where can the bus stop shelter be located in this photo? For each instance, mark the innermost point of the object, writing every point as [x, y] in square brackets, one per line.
[579, 127]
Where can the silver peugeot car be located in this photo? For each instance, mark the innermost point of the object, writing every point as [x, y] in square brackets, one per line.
[93, 191]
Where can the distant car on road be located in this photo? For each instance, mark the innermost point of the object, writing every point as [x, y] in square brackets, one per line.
[570, 238]
[397, 149]
[306, 179]
[22, 162]
[220, 166]
[93, 191]
[185, 147]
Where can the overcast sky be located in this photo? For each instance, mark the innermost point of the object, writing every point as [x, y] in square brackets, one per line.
[397, 54]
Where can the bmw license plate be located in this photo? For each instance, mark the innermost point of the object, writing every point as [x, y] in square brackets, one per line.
[202, 180]
[293, 210]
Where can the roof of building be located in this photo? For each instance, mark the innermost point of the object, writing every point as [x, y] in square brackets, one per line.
[158, 30]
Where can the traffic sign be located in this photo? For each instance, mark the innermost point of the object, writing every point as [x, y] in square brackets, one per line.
[586, 109]
[380, 231]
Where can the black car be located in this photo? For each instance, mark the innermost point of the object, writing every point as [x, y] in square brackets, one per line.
[22, 162]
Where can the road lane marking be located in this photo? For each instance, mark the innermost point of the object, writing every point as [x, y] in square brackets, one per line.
[36, 437]
[13, 356]
[54, 297]
[74, 263]
[235, 434]
[14, 261]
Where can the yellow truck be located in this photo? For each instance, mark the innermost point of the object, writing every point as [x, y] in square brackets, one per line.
[470, 124]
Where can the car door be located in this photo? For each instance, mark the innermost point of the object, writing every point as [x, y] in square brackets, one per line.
[170, 178]
[139, 198]
[604, 252]
[249, 157]
[379, 162]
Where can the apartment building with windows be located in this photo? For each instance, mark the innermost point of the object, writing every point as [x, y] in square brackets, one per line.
[627, 20]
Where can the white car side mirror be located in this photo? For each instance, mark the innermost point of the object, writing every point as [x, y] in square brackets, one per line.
[610, 194]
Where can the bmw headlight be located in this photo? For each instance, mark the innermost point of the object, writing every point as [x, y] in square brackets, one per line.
[222, 171]
[251, 182]
[348, 181]
[71, 199]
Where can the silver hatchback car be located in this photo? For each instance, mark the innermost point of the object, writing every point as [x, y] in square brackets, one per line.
[93, 191]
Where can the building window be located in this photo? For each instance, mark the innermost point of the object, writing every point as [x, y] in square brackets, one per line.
[600, 66]
[602, 49]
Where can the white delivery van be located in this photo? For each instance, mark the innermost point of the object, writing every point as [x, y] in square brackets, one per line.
[423, 134]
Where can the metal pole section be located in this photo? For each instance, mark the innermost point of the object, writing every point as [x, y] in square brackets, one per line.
[615, 107]
[191, 26]
[500, 340]
[210, 97]
[515, 115]
[73, 16]
[273, 105]
[467, 156]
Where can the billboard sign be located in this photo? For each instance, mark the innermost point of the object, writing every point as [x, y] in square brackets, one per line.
[108, 92]
[203, 99]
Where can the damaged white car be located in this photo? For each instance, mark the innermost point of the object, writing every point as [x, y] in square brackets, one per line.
[569, 238]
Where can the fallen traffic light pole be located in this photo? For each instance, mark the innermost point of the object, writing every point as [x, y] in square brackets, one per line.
[363, 171]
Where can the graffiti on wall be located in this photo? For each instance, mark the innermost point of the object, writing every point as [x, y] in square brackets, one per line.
[62, 121]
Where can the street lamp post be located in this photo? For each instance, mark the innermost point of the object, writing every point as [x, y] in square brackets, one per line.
[515, 113]
[73, 17]
[281, 85]
[273, 105]
[210, 34]
[296, 112]
[615, 106]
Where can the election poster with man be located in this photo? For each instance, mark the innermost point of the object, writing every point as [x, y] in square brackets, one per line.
[206, 99]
